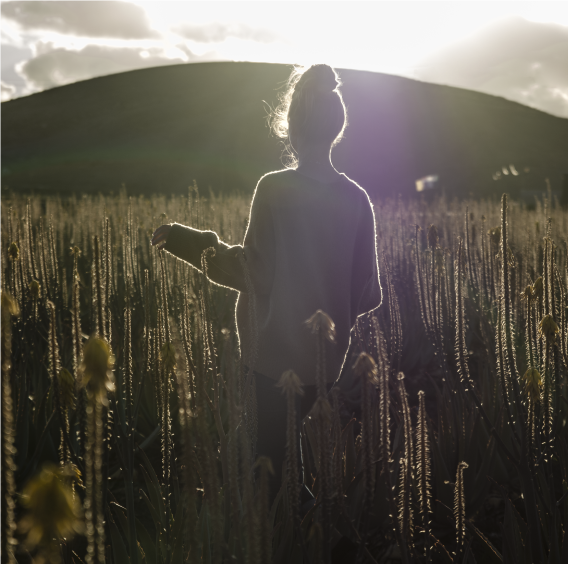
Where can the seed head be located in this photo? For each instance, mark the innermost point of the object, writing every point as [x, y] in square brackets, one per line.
[432, 235]
[528, 294]
[53, 513]
[14, 251]
[532, 384]
[290, 383]
[264, 462]
[495, 235]
[538, 288]
[66, 389]
[9, 307]
[168, 355]
[322, 409]
[75, 251]
[366, 366]
[320, 320]
[547, 328]
[96, 369]
[35, 288]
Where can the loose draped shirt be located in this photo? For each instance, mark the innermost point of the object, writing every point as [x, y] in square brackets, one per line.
[309, 246]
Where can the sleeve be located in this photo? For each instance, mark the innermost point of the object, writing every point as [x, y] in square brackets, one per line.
[225, 267]
[367, 292]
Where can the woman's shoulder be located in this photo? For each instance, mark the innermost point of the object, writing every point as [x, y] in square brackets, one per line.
[275, 178]
[280, 181]
[356, 189]
[274, 184]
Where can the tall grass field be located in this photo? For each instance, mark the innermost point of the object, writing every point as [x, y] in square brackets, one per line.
[129, 418]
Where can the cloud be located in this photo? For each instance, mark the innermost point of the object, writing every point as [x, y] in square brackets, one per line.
[57, 66]
[513, 58]
[91, 19]
[218, 32]
[8, 91]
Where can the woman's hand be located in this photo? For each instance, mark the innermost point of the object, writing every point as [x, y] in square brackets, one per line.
[160, 236]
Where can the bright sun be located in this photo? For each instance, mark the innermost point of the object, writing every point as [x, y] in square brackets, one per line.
[389, 37]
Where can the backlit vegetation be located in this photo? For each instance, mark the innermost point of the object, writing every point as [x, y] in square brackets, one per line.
[129, 420]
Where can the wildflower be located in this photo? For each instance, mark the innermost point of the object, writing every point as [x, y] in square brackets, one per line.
[320, 320]
[96, 368]
[53, 512]
[290, 383]
[66, 389]
[35, 288]
[547, 328]
[14, 251]
[532, 384]
[168, 355]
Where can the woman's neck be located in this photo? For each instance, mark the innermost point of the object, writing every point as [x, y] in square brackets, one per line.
[317, 164]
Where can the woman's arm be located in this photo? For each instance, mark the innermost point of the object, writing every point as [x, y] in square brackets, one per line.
[225, 266]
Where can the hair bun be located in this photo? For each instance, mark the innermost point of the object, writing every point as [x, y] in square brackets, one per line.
[321, 78]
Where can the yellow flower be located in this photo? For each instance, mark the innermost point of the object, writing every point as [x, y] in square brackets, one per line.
[290, 383]
[547, 328]
[53, 512]
[320, 320]
[14, 251]
[96, 369]
[9, 307]
[66, 389]
[532, 384]
[168, 355]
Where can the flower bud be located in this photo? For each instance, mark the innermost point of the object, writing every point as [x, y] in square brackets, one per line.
[96, 369]
[168, 355]
[320, 320]
[35, 289]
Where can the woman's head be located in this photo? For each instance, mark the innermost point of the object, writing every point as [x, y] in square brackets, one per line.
[311, 112]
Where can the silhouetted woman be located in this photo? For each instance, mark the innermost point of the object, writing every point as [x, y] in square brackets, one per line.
[310, 245]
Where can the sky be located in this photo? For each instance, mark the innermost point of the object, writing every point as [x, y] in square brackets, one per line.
[518, 50]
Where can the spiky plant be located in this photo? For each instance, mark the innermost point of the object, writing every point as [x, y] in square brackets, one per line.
[9, 309]
[459, 507]
[405, 507]
[423, 472]
[292, 387]
[324, 328]
[98, 379]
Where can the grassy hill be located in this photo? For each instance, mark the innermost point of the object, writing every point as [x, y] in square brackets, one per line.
[159, 129]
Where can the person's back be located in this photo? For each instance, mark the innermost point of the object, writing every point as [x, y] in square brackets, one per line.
[310, 246]
[315, 246]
